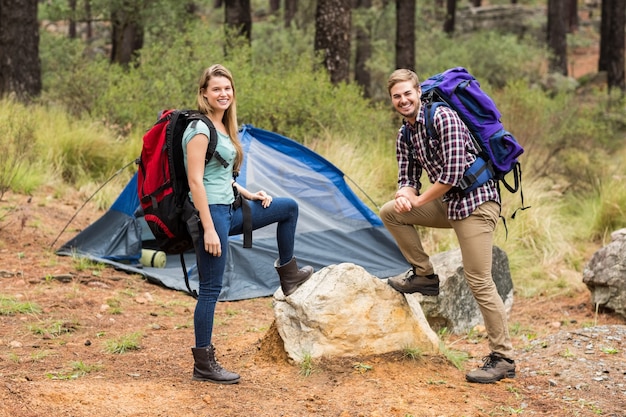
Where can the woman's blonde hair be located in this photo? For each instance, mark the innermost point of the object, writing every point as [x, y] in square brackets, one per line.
[230, 115]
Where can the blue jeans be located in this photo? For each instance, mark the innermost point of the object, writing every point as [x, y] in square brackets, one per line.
[229, 222]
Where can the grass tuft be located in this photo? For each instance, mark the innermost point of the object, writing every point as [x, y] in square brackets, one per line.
[124, 343]
[9, 306]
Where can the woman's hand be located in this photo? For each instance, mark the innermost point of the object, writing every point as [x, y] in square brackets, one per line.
[212, 242]
[265, 198]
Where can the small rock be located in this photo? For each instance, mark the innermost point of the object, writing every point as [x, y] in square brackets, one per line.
[480, 329]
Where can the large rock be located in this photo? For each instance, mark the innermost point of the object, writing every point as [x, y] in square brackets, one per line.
[605, 275]
[342, 310]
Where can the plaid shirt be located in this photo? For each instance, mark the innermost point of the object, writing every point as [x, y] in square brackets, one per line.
[444, 159]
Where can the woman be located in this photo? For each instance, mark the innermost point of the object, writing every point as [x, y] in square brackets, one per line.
[211, 187]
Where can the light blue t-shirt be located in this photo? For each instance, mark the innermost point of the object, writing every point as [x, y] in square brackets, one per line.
[217, 179]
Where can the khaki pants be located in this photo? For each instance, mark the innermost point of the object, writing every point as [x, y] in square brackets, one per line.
[475, 235]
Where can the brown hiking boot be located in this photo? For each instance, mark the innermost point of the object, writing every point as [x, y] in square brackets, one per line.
[410, 283]
[495, 368]
[206, 368]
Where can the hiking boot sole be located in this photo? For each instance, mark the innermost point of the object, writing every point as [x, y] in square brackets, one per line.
[433, 291]
[509, 374]
[216, 381]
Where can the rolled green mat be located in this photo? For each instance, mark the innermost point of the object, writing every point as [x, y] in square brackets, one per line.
[154, 258]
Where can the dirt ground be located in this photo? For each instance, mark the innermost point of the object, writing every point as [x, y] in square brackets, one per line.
[57, 362]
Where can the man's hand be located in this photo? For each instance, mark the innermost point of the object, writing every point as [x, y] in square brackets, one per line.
[402, 204]
[405, 199]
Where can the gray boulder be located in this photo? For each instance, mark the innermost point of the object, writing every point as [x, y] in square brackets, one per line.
[455, 308]
[605, 275]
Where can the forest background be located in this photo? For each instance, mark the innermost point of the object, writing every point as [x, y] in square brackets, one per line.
[88, 122]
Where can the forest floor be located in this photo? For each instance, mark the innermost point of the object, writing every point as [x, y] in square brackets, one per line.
[57, 360]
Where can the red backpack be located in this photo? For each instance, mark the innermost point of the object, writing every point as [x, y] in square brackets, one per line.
[162, 181]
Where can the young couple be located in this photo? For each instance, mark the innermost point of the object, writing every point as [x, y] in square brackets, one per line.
[473, 217]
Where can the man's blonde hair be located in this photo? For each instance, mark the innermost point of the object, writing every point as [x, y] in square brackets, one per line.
[400, 76]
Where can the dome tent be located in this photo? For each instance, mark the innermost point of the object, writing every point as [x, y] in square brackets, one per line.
[334, 225]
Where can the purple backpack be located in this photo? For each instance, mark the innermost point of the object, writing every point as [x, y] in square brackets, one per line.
[498, 148]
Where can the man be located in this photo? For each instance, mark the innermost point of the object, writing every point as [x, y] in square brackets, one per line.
[473, 217]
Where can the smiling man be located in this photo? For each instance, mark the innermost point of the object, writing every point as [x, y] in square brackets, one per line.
[473, 216]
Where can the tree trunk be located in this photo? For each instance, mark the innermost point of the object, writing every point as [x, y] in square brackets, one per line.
[89, 26]
[362, 75]
[448, 24]
[238, 19]
[605, 35]
[572, 14]
[557, 36]
[20, 67]
[615, 48]
[274, 6]
[332, 37]
[126, 33]
[291, 7]
[405, 34]
[72, 23]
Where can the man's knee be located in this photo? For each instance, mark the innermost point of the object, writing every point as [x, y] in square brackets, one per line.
[387, 212]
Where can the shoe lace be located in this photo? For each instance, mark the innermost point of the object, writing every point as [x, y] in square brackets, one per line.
[409, 276]
[490, 361]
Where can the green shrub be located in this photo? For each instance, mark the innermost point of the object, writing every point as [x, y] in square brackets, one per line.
[17, 142]
[73, 76]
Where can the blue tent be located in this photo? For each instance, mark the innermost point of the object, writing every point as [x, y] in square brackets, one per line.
[334, 225]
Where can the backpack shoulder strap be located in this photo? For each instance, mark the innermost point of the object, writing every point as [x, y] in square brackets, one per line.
[430, 107]
[406, 138]
[405, 134]
[210, 152]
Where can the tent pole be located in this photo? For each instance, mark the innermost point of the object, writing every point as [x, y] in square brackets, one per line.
[363, 191]
[88, 199]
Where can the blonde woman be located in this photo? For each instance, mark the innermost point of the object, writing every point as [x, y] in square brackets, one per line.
[211, 189]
